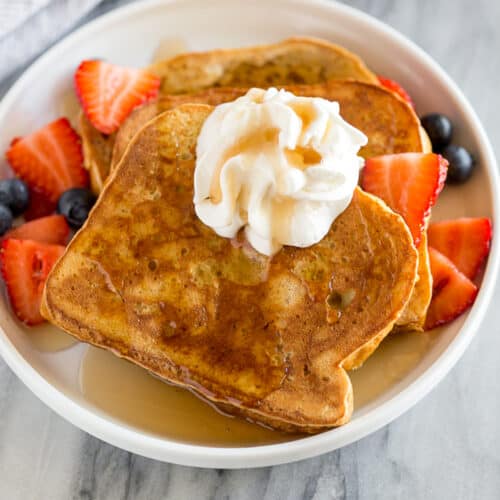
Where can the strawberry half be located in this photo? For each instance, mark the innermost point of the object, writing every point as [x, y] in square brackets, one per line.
[409, 183]
[395, 87]
[452, 292]
[108, 93]
[25, 267]
[52, 229]
[465, 241]
[50, 160]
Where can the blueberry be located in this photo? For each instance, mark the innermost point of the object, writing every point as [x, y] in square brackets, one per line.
[461, 164]
[75, 205]
[439, 129]
[14, 194]
[6, 219]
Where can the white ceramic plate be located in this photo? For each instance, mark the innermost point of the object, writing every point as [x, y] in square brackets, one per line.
[130, 36]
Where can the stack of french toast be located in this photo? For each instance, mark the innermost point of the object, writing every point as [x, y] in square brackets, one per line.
[266, 338]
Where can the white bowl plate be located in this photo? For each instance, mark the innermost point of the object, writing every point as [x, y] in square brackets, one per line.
[130, 36]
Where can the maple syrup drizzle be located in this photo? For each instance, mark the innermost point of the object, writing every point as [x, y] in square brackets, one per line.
[395, 358]
[130, 394]
[48, 338]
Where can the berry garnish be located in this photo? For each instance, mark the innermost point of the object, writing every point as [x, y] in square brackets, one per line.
[51, 229]
[439, 129]
[25, 267]
[6, 219]
[461, 164]
[14, 194]
[395, 87]
[409, 183]
[39, 206]
[465, 241]
[108, 93]
[452, 291]
[75, 205]
[49, 159]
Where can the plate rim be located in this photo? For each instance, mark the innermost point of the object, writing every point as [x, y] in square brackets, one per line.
[120, 435]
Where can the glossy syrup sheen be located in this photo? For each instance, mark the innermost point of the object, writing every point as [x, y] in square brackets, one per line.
[133, 396]
[47, 338]
[395, 358]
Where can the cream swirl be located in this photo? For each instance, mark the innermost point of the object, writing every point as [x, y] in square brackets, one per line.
[280, 166]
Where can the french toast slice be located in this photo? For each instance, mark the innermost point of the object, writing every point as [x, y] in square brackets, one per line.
[389, 123]
[294, 61]
[267, 339]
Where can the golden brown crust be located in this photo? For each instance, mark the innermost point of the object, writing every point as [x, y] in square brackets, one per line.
[140, 116]
[298, 60]
[389, 123]
[147, 280]
[413, 317]
[97, 152]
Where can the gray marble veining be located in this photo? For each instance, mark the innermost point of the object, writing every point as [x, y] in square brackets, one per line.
[446, 447]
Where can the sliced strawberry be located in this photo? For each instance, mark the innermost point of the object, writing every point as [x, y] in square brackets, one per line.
[51, 229]
[108, 93]
[409, 183]
[25, 267]
[395, 87]
[452, 291]
[39, 205]
[50, 160]
[465, 241]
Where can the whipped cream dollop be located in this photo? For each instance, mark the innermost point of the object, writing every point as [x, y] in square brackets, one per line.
[280, 166]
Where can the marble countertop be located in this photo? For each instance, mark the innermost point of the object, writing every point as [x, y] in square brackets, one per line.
[446, 447]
